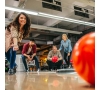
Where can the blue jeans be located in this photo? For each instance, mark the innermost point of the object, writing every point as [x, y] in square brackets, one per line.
[25, 64]
[67, 58]
[11, 57]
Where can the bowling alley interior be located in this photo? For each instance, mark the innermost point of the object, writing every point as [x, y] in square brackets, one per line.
[61, 40]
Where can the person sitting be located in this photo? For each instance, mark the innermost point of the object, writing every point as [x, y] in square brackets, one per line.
[29, 52]
[52, 53]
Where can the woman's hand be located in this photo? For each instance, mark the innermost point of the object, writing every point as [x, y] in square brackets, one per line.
[15, 47]
[69, 54]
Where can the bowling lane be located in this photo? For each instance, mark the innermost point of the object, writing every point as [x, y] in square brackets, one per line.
[45, 81]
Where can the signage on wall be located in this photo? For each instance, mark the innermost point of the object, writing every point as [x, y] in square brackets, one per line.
[49, 42]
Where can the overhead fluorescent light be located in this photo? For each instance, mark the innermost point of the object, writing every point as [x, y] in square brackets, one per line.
[50, 16]
[66, 19]
[21, 10]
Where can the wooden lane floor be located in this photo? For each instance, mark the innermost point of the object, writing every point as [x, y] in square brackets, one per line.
[45, 81]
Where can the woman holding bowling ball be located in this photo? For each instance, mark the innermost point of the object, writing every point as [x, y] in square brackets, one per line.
[66, 44]
[15, 32]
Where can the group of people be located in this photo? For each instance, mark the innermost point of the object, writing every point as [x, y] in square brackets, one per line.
[66, 44]
[19, 29]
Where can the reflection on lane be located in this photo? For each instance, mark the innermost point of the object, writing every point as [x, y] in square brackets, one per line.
[45, 81]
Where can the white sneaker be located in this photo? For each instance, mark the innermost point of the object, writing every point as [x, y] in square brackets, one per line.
[38, 70]
[27, 70]
[69, 67]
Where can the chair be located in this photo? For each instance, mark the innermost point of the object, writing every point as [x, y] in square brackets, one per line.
[31, 65]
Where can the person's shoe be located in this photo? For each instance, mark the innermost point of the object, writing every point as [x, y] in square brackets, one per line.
[15, 69]
[69, 67]
[11, 72]
[38, 70]
[52, 70]
[27, 70]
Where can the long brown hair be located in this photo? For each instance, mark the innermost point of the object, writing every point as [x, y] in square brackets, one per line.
[16, 23]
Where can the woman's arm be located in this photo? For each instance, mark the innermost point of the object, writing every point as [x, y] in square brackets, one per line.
[69, 47]
[14, 34]
[15, 41]
[34, 51]
[60, 56]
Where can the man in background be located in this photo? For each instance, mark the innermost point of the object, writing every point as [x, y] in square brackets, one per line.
[29, 52]
[52, 53]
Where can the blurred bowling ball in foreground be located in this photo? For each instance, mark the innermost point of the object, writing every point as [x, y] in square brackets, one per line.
[54, 59]
[83, 56]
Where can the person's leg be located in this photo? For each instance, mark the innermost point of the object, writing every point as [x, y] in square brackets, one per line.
[65, 57]
[13, 58]
[59, 63]
[69, 59]
[53, 65]
[36, 61]
[7, 54]
[49, 64]
[24, 62]
[15, 65]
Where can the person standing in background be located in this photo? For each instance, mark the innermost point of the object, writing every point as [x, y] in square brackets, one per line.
[66, 44]
[14, 33]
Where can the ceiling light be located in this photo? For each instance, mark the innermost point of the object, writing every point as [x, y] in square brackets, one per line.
[21, 10]
[66, 19]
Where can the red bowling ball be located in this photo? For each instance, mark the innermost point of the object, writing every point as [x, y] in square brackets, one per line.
[83, 56]
[54, 59]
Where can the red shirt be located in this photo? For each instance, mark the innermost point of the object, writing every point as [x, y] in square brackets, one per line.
[26, 47]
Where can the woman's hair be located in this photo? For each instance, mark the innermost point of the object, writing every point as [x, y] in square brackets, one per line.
[26, 27]
[65, 36]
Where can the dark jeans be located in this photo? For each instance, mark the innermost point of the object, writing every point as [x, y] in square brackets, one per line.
[11, 57]
[52, 65]
[25, 64]
[67, 58]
